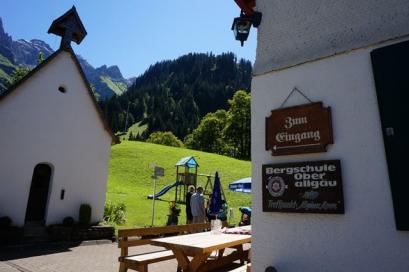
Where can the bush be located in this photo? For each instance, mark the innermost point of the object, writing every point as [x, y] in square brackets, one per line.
[174, 212]
[5, 222]
[68, 221]
[85, 214]
[164, 138]
[115, 213]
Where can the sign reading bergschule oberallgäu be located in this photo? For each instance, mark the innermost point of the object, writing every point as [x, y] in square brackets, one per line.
[305, 187]
[300, 129]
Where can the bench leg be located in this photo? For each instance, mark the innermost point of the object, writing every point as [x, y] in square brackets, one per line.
[122, 267]
[143, 268]
[239, 249]
[221, 252]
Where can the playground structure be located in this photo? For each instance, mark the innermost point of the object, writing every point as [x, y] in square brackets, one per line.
[186, 175]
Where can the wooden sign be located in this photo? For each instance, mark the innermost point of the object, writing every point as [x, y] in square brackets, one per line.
[305, 187]
[300, 129]
[159, 171]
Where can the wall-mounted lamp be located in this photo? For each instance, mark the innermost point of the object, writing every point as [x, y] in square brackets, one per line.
[241, 25]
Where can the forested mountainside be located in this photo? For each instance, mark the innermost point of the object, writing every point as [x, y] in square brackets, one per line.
[105, 81]
[173, 95]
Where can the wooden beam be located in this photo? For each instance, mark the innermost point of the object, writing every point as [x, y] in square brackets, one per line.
[163, 230]
[246, 6]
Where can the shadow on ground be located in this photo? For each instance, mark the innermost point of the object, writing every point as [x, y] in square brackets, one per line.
[8, 253]
[90, 256]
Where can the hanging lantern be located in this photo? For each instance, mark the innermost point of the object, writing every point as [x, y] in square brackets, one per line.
[241, 25]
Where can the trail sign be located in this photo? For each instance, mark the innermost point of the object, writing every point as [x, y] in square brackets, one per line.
[159, 171]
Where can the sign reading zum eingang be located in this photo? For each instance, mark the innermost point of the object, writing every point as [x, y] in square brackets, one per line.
[304, 187]
[300, 129]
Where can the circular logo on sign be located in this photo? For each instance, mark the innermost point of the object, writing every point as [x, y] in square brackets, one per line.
[276, 186]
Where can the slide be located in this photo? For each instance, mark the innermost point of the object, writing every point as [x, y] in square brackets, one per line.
[164, 190]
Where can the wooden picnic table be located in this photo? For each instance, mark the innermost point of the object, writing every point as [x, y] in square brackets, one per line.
[201, 245]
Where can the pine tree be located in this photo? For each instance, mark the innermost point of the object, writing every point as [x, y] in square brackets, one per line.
[40, 57]
[17, 75]
[130, 137]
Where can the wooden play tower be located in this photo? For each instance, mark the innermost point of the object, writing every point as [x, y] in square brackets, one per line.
[186, 175]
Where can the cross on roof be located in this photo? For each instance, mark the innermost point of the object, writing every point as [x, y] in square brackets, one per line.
[69, 27]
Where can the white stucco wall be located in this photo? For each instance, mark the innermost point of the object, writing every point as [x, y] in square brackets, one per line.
[39, 124]
[294, 31]
[365, 237]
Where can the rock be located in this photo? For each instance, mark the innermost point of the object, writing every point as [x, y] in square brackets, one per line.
[112, 71]
[5, 43]
[26, 52]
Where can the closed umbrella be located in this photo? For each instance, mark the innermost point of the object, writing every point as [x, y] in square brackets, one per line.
[216, 199]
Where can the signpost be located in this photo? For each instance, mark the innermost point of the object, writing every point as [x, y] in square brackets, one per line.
[304, 187]
[300, 129]
[157, 172]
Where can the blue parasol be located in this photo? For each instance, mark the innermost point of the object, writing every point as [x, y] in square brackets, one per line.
[216, 199]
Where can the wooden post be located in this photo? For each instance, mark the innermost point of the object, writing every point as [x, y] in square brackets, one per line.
[184, 193]
[124, 253]
[195, 182]
[177, 179]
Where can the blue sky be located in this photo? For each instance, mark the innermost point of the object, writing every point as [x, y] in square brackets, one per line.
[133, 34]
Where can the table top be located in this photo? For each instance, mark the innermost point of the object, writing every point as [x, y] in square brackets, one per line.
[203, 242]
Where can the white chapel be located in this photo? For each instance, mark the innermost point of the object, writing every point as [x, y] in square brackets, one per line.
[54, 142]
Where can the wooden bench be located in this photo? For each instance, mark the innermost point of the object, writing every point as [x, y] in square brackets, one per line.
[142, 236]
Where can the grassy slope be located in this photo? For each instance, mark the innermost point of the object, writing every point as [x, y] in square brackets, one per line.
[117, 87]
[5, 62]
[130, 178]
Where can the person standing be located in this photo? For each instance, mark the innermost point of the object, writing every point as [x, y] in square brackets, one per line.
[197, 206]
[209, 216]
[223, 213]
[189, 216]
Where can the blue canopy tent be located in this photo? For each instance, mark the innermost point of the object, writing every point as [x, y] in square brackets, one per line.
[241, 185]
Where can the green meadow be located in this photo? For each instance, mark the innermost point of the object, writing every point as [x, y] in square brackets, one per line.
[130, 179]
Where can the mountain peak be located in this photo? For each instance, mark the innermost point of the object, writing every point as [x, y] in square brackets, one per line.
[4, 37]
[111, 71]
[25, 52]
[5, 43]
[2, 32]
